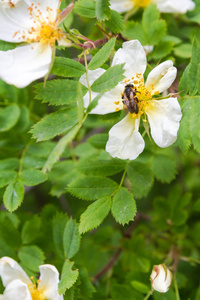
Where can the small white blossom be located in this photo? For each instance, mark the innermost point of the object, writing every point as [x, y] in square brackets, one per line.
[19, 286]
[163, 115]
[33, 24]
[164, 6]
[161, 278]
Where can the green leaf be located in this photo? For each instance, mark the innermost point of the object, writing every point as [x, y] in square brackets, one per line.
[67, 67]
[87, 288]
[59, 223]
[31, 229]
[164, 48]
[71, 239]
[164, 168]
[122, 292]
[59, 149]
[24, 118]
[184, 135]
[94, 102]
[156, 31]
[98, 140]
[80, 106]
[195, 123]
[134, 31]
[54, 124]
[108, 79]
[190, 79]
[94, 214]
[184, 85]
[56, 90]
[92, 188]
[9, 164]
[141, 178]
[68, 277]
[4, 46]
[151, 13]
[102, 55]
[101, 167]
[140, 286]
[9, 117]
[32, 177]
[7, 177]
[9, 233]
[14, 195]
[123, 206]
[85, 8]
[183, 50]
[32, 257]
[103, 11]
[116, 23]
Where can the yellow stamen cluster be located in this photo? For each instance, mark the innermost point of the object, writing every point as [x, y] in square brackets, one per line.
[36, 294]
[144, 95]
[141, 3]
[44, 31]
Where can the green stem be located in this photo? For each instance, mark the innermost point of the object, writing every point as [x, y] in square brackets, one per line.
[87, 78]
[176, 289]
[147, 296]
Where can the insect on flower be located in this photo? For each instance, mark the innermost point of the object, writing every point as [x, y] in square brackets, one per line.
[130, 99]
[140, 99]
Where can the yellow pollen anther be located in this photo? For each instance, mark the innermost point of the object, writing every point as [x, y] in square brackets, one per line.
[141, 3]
[116, 102]
[117, 109]
[36, 294]
[44, 30]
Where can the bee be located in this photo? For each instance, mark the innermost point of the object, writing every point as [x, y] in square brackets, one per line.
[130, 99]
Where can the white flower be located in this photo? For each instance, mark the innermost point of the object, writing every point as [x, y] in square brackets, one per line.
[161, 278]
[18, 285]
[164, 6]
[36, 24]
[9, 3]
[164, 115]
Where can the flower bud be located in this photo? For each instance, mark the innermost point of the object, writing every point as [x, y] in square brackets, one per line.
[161, 278]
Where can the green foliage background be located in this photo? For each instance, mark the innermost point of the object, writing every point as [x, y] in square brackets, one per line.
[103, 222]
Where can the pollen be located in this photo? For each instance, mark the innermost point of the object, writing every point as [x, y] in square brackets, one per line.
[116, 102]
[45, 30]
[36, 294]
[141, 3]
[140, 98]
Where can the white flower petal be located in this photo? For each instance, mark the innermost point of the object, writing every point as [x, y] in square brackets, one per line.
[49, 279]
[161, 278]
[14, 19]
[11, 270]
[125, 141]
[110, 102]
[172, 6]
[121, 6]
[92, 76]
[161, 77]
[134, 57]
[25, 64]
[18, 18]
[164, 120]
[17, 290]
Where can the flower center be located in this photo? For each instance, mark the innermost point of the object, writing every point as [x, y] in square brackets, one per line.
[136, 97]
[49, 33]
[35, 293]
[141, 3]
[44, 30]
